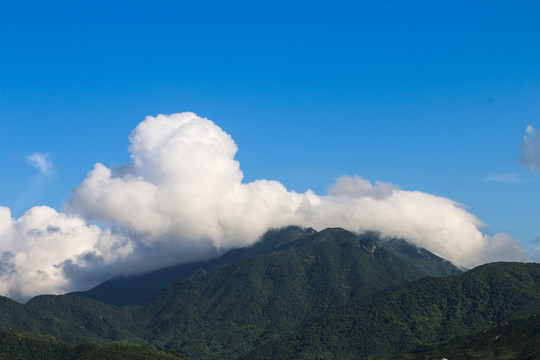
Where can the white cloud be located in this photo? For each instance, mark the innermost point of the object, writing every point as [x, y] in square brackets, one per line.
[186, 189]
[40, 161]
[530, 149]
[357, 187]
[503, 247]
[32, 245]
[182, 198]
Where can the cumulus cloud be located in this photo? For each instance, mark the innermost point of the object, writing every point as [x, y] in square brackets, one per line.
[40, 161]
[182, 198]
[32, 246]
[530, 149]
[185, 187]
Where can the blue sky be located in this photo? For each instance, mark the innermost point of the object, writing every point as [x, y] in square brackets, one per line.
[430, 96]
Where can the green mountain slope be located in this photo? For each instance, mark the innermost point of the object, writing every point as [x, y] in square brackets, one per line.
[515, 339]
[427, 311]
[18, 344]
[299, 294]
[71, 318]
[430, 263]
[228, 311]
[293, 277]
[137, 289]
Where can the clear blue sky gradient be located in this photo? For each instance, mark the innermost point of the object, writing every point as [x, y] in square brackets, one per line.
[433, 96]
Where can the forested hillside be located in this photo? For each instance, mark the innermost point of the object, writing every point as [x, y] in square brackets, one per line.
[515, 339]
[424, 312]
[298, 294]
[17, 344]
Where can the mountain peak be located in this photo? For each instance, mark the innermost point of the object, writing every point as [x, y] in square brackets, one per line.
[135, 290]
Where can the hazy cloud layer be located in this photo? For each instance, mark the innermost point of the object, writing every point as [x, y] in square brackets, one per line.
[40, 161]
[530, 149]
[505, 178]
[182, 198]
[358, 187]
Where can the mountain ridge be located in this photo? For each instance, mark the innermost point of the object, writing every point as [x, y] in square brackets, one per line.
[135, 290]
[328, 295]
[310, 275]
[300, 275]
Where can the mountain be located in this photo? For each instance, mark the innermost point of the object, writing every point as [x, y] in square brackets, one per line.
[135, 290]
[515, 339]
[19, 344]
[425, 311]
[287, 280]
[72, 319]
[423, 259]
[297, 294]
[227, 312]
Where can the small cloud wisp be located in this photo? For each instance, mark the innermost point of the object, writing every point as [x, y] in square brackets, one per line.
[530, 149]
[40, 161]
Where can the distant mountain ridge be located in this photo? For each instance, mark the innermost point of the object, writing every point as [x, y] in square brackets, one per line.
[135, 290]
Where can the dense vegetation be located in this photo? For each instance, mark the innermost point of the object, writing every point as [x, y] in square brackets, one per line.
[516, 339]
[427, 311]
[137, 289]
[72, 319]
[298, 294]
[18, 344]
[248, 303]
